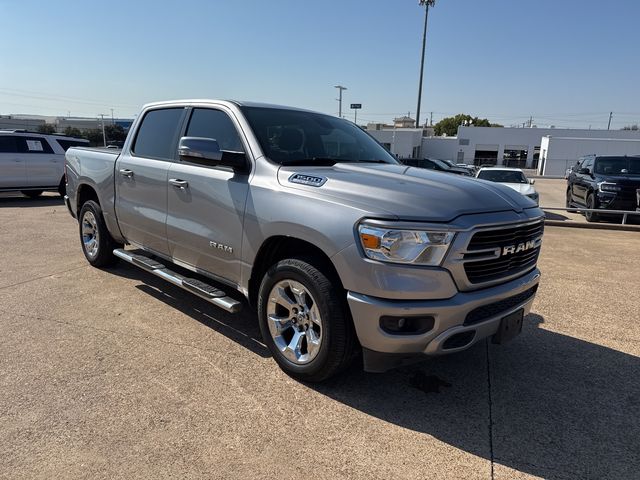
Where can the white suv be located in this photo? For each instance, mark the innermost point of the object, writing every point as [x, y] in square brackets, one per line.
[33, 162]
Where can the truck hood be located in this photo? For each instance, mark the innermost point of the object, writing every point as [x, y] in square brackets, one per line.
[408, 193]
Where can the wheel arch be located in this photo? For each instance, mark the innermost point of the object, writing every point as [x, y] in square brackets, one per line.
[279, 247]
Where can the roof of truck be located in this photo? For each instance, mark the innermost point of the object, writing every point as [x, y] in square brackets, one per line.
[239, 103]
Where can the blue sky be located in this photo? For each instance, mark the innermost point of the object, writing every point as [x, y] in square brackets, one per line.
[566, 62]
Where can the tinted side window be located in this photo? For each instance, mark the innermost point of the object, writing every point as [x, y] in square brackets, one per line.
[67, 144]
[33, 145]
[157, 135]
[8, 144]
[215, 124]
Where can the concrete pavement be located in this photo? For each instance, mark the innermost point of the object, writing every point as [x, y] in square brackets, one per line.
[115, 374]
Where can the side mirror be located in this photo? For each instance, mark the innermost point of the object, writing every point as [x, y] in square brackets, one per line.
[198, 148]
[584, 171]
[532, 181]
[206, 151]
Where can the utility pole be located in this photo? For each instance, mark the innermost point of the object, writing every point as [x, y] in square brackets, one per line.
[531, 121]
[610, 115]
[104, 135]
[340, 88]
[427, 4]
[112, 122]
[431, 120]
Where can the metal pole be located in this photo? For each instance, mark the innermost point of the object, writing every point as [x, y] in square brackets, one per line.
[112, 122]
[340, 88]
[104, 135]
[424, 45]
[610, 115]
[355, 116]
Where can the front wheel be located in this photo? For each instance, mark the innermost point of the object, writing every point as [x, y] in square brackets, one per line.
[591, 204]
[569, 202]
[305, 321]
[97, 243]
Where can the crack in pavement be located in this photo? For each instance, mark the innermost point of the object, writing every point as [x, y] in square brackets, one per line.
[486, 343]
[44, 276]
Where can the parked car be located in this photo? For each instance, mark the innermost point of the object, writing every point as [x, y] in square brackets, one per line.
[435, 164]
[32, 162]
[511, 177]
[337, 246]
[604, 182]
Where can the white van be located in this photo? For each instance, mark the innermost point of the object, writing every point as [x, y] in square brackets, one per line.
[33, 162]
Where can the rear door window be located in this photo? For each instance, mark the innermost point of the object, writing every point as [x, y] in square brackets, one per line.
[157, 136]
[33, 145]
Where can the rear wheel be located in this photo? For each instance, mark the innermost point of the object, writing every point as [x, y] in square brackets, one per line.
[97, 243]
[304, 321]
[591, 204]
[31, 193]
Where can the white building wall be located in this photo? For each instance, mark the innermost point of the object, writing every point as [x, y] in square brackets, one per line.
[559, 153]
[402, 141]
[443, 148]
[470, 139]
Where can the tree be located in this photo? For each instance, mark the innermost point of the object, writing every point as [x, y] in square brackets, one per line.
[94, 135]
[47, 128]
[631, 127]
[73, 132]
[449, 126]
[115, 133]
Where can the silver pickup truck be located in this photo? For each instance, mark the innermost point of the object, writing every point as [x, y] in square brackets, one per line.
[339, 248]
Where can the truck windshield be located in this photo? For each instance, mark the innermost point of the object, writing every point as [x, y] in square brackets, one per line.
[502, 176]
[617, 166]
[294, 137]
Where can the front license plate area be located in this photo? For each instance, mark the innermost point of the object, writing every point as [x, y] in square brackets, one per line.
[510, 326]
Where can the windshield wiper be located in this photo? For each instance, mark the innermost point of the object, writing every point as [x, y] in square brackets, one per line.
[372, 161]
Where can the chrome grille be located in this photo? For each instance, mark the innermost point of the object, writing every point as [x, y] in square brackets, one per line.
[486, 261]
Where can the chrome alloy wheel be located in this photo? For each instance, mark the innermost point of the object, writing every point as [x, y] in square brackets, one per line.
[294, 321]
[90, 235]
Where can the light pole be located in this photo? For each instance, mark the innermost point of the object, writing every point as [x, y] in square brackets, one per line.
[426, 4]
[104, 135]
[340, 88]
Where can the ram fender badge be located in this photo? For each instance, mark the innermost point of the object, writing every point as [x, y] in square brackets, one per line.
[311, 180]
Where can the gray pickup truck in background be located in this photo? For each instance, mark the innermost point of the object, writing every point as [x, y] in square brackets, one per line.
[340, 248]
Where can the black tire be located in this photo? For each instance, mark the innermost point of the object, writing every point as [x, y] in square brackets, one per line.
[568, 204]
[591, 203]
[31, 193]
[62, 188]
[103, 255]
[338, 342]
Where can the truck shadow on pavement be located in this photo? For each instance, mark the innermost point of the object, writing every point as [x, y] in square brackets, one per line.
[546, 404]
[242, 328]
[19, 201]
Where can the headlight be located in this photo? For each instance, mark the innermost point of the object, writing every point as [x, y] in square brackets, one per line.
[608, 187]
[405, 246]
[533, 196]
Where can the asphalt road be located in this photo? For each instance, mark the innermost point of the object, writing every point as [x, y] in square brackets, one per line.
[115, 374]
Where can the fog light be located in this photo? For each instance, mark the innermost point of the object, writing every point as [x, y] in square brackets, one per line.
[406, 325]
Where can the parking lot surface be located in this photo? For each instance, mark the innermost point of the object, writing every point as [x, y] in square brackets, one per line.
[115, 374]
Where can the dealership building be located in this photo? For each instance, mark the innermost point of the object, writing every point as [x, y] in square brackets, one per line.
[513, 147]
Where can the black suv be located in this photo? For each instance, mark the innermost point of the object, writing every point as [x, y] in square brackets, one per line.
[606, 182]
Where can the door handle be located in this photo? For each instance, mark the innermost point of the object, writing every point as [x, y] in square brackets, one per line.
[179, 183]
[125, 172]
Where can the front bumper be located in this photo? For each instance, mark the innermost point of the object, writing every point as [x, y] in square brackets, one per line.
[383, 350]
